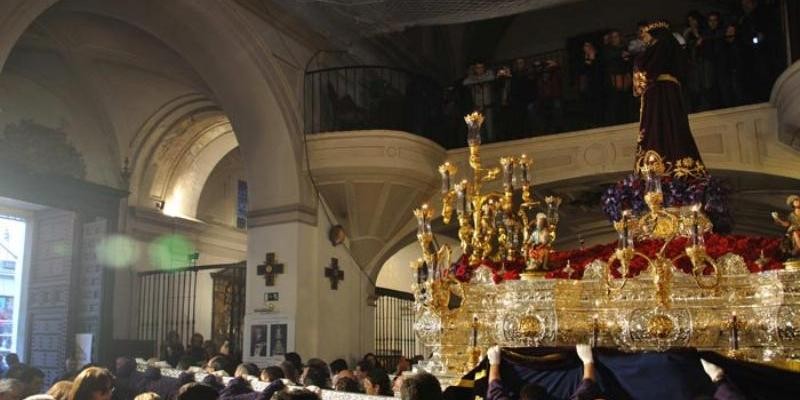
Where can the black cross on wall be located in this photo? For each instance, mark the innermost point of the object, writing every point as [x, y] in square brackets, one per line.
[269, 269]
[334, 273]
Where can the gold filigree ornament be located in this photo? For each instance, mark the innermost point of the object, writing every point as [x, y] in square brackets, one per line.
[447, 296]
[651, 160]
[530, 327]
[660, 326]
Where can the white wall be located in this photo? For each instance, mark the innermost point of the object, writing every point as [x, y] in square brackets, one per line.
[329, 323]
[396, 271]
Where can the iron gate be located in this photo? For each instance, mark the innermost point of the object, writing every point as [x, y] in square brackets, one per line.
[394, 326]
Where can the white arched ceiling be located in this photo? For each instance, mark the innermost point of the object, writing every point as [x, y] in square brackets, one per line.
[190, 173]
[229, 51]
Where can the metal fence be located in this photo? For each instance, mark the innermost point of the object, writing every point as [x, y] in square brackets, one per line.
[394, 327]
[167, 302]
[370, 97]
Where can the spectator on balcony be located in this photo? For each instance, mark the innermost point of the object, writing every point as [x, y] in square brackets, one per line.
[590, 85]
[502, 113]
[616, 60]
[480, 83]
[728, 67]
[637, 46]
[698, 79]
[713, 41]
[420, 105]
[549, 95]
[521, 98]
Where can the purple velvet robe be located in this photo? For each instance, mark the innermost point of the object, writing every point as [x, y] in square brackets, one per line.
[664, 125]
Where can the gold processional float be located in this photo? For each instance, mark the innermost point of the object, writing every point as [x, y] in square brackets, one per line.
[718, 305]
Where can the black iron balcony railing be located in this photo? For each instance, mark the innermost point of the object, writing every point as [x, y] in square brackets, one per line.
[371, 97]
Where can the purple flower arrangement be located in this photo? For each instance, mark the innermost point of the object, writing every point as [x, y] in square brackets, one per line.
[628, 194]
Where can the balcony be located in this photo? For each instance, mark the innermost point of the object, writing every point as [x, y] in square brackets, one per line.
[375, 136]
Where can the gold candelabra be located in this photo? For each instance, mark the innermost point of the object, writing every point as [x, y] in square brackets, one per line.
[666, 225]
[494, 225]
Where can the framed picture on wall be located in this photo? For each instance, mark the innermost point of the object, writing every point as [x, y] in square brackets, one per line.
[268, 338]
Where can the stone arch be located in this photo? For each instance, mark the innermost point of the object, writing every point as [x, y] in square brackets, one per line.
[175, 151]
[220, 44]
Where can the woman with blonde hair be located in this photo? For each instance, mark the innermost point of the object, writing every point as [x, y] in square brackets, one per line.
[92, 384]
[60, 390]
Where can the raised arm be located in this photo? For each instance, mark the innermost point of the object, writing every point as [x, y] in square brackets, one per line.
[725, 389]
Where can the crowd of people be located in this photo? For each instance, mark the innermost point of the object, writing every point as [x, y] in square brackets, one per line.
[733, 60]
[291, 380]
[223, 377]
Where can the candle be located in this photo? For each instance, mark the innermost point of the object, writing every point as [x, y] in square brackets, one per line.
[474, 331]
[524, 170]
[446, 170]
[625, 233]
[461, 198]
[508, 173]
[695, 225]
[595, 330]
[734, 332]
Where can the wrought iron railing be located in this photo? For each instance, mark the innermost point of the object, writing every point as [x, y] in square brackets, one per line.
[394, 327]
[371, 97]
[167, 302]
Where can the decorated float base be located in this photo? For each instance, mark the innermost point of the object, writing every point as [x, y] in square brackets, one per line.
[747, 315]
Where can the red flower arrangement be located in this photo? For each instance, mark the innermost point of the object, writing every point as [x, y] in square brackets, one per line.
[748, 247]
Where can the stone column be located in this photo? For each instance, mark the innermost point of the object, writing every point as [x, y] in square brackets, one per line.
[327, 323]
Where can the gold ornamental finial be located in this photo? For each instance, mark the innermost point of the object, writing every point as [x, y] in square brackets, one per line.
[474, 120]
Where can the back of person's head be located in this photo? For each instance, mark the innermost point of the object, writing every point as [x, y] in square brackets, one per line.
[317, 376]
[373, 360]
[91, 381]
[347, 385]
[272, 373]
[217, 363]
[196, 391]
[421, 386]
[363, 366]
[317, 363]
[185, 377]
[532, 391]
[125, 366]
[289, 371]
[60, 390]
[12, 359]
[379, 381]
[338, 365]
[148, 396]
[213, 382]
[297, 394]
[32, 379]
[10, 388]
[251, 368]
[295, 359]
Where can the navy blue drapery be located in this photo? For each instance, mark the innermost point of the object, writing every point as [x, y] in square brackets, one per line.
[671, 375]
